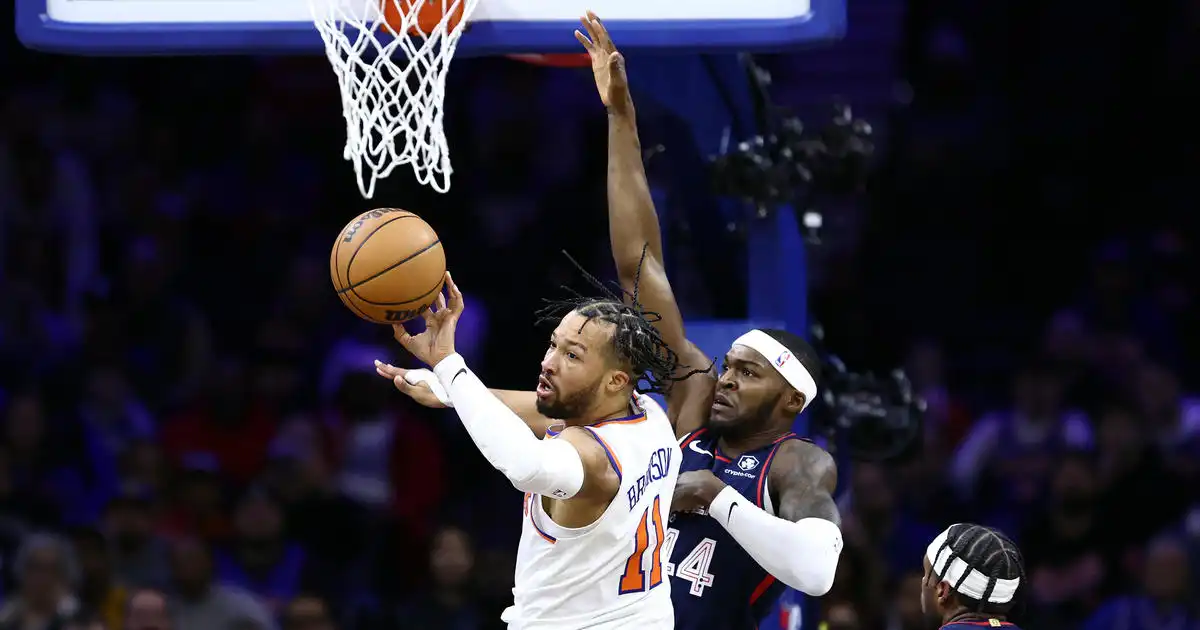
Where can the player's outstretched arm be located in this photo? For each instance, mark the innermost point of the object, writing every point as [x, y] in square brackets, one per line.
[423, 387]
[559, 468]
[549, 467]
[634, 231]
[801, 546]
[808, 525]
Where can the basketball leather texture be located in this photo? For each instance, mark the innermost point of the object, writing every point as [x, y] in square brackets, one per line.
[387, 265]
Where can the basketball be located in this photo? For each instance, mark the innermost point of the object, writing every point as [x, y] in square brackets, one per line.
[429, 15]
[387, 265]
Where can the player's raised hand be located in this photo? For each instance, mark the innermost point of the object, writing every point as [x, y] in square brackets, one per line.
[441, 319]
[608, 65]
[419, 385]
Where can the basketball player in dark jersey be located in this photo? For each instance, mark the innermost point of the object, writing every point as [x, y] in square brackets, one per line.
[973, 575]
[753, 508]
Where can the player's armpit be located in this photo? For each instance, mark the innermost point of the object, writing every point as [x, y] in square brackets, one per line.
[600, 480]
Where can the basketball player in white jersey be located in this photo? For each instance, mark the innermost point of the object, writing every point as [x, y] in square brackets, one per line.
[726, 564]
[598, 484]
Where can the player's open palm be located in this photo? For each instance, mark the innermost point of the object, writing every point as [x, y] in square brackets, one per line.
[436, 342]
[608, 65]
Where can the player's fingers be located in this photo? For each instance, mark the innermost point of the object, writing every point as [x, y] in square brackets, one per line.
[591, 32]
[429, 316]
[440, 302]
[386, 370]
[401, 335]
[587, 43]
[601, 36]
[456, 296]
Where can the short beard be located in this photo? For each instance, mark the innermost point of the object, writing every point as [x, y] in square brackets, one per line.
[567, 407]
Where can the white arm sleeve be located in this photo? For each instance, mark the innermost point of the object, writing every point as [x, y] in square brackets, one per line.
[416, 377]
[548, 467]
[802, 554]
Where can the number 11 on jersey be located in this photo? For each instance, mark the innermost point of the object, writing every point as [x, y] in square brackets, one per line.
[634, 579]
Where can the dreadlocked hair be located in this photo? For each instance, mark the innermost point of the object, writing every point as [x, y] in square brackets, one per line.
[635, 340]
[994, 555]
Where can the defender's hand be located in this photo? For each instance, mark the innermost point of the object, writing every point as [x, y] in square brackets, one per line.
[608, 65]
[416, 384]
[441, 319]
[695, 491]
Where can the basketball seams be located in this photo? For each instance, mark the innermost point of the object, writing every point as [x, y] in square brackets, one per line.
[353, 290]
[345, 298]
[379, 262]
[382, 272]
[337, 247]
[362, 243]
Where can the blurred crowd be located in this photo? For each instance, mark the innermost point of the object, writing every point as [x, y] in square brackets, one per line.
[193, 437]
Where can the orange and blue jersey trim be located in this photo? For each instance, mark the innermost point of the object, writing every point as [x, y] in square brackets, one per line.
[634, 419]
[529, 498]
[612, 457]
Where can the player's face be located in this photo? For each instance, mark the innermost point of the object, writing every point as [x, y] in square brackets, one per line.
[578, 370]
[749, 392]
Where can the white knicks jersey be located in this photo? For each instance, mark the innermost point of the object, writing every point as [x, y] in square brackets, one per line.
[609, 574]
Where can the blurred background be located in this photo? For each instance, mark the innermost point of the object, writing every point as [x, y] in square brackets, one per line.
[187, 407]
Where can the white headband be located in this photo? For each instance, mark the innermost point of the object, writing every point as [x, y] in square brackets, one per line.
[782, 360]
[975, 585]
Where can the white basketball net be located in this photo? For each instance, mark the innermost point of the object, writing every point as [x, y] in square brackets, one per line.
[392, 87]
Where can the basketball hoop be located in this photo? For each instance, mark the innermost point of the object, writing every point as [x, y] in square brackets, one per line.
[391, 59]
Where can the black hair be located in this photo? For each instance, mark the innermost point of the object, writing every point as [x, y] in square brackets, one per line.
[636, 342]
[800, 349]
[991, 553]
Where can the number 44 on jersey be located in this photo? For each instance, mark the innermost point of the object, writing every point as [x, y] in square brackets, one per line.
[693, 568]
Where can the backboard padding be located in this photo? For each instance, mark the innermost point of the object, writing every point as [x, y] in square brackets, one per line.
[525, 26]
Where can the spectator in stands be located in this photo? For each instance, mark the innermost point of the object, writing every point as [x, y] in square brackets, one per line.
[449, 602]
[1008, 455]
[111, 420]
[227, 422]
[21, 511]
[45, 572]
[200, 602]
[198, 504]
[100, 595]
[40, 462]
[332, 529]
[259, 558]
[1173, 419]
[1066, 553]
[905, 610]
[375, 448]
[884, 529]
[1134, 475]
[1164, 601]
[147, 610]
[138, 555]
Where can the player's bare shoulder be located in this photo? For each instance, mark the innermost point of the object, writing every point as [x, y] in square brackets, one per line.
[804, 477]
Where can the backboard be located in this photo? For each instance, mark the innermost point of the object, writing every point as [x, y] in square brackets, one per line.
[148, 27]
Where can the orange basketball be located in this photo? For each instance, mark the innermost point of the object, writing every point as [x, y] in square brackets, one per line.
[387, 265]
[429, 14]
